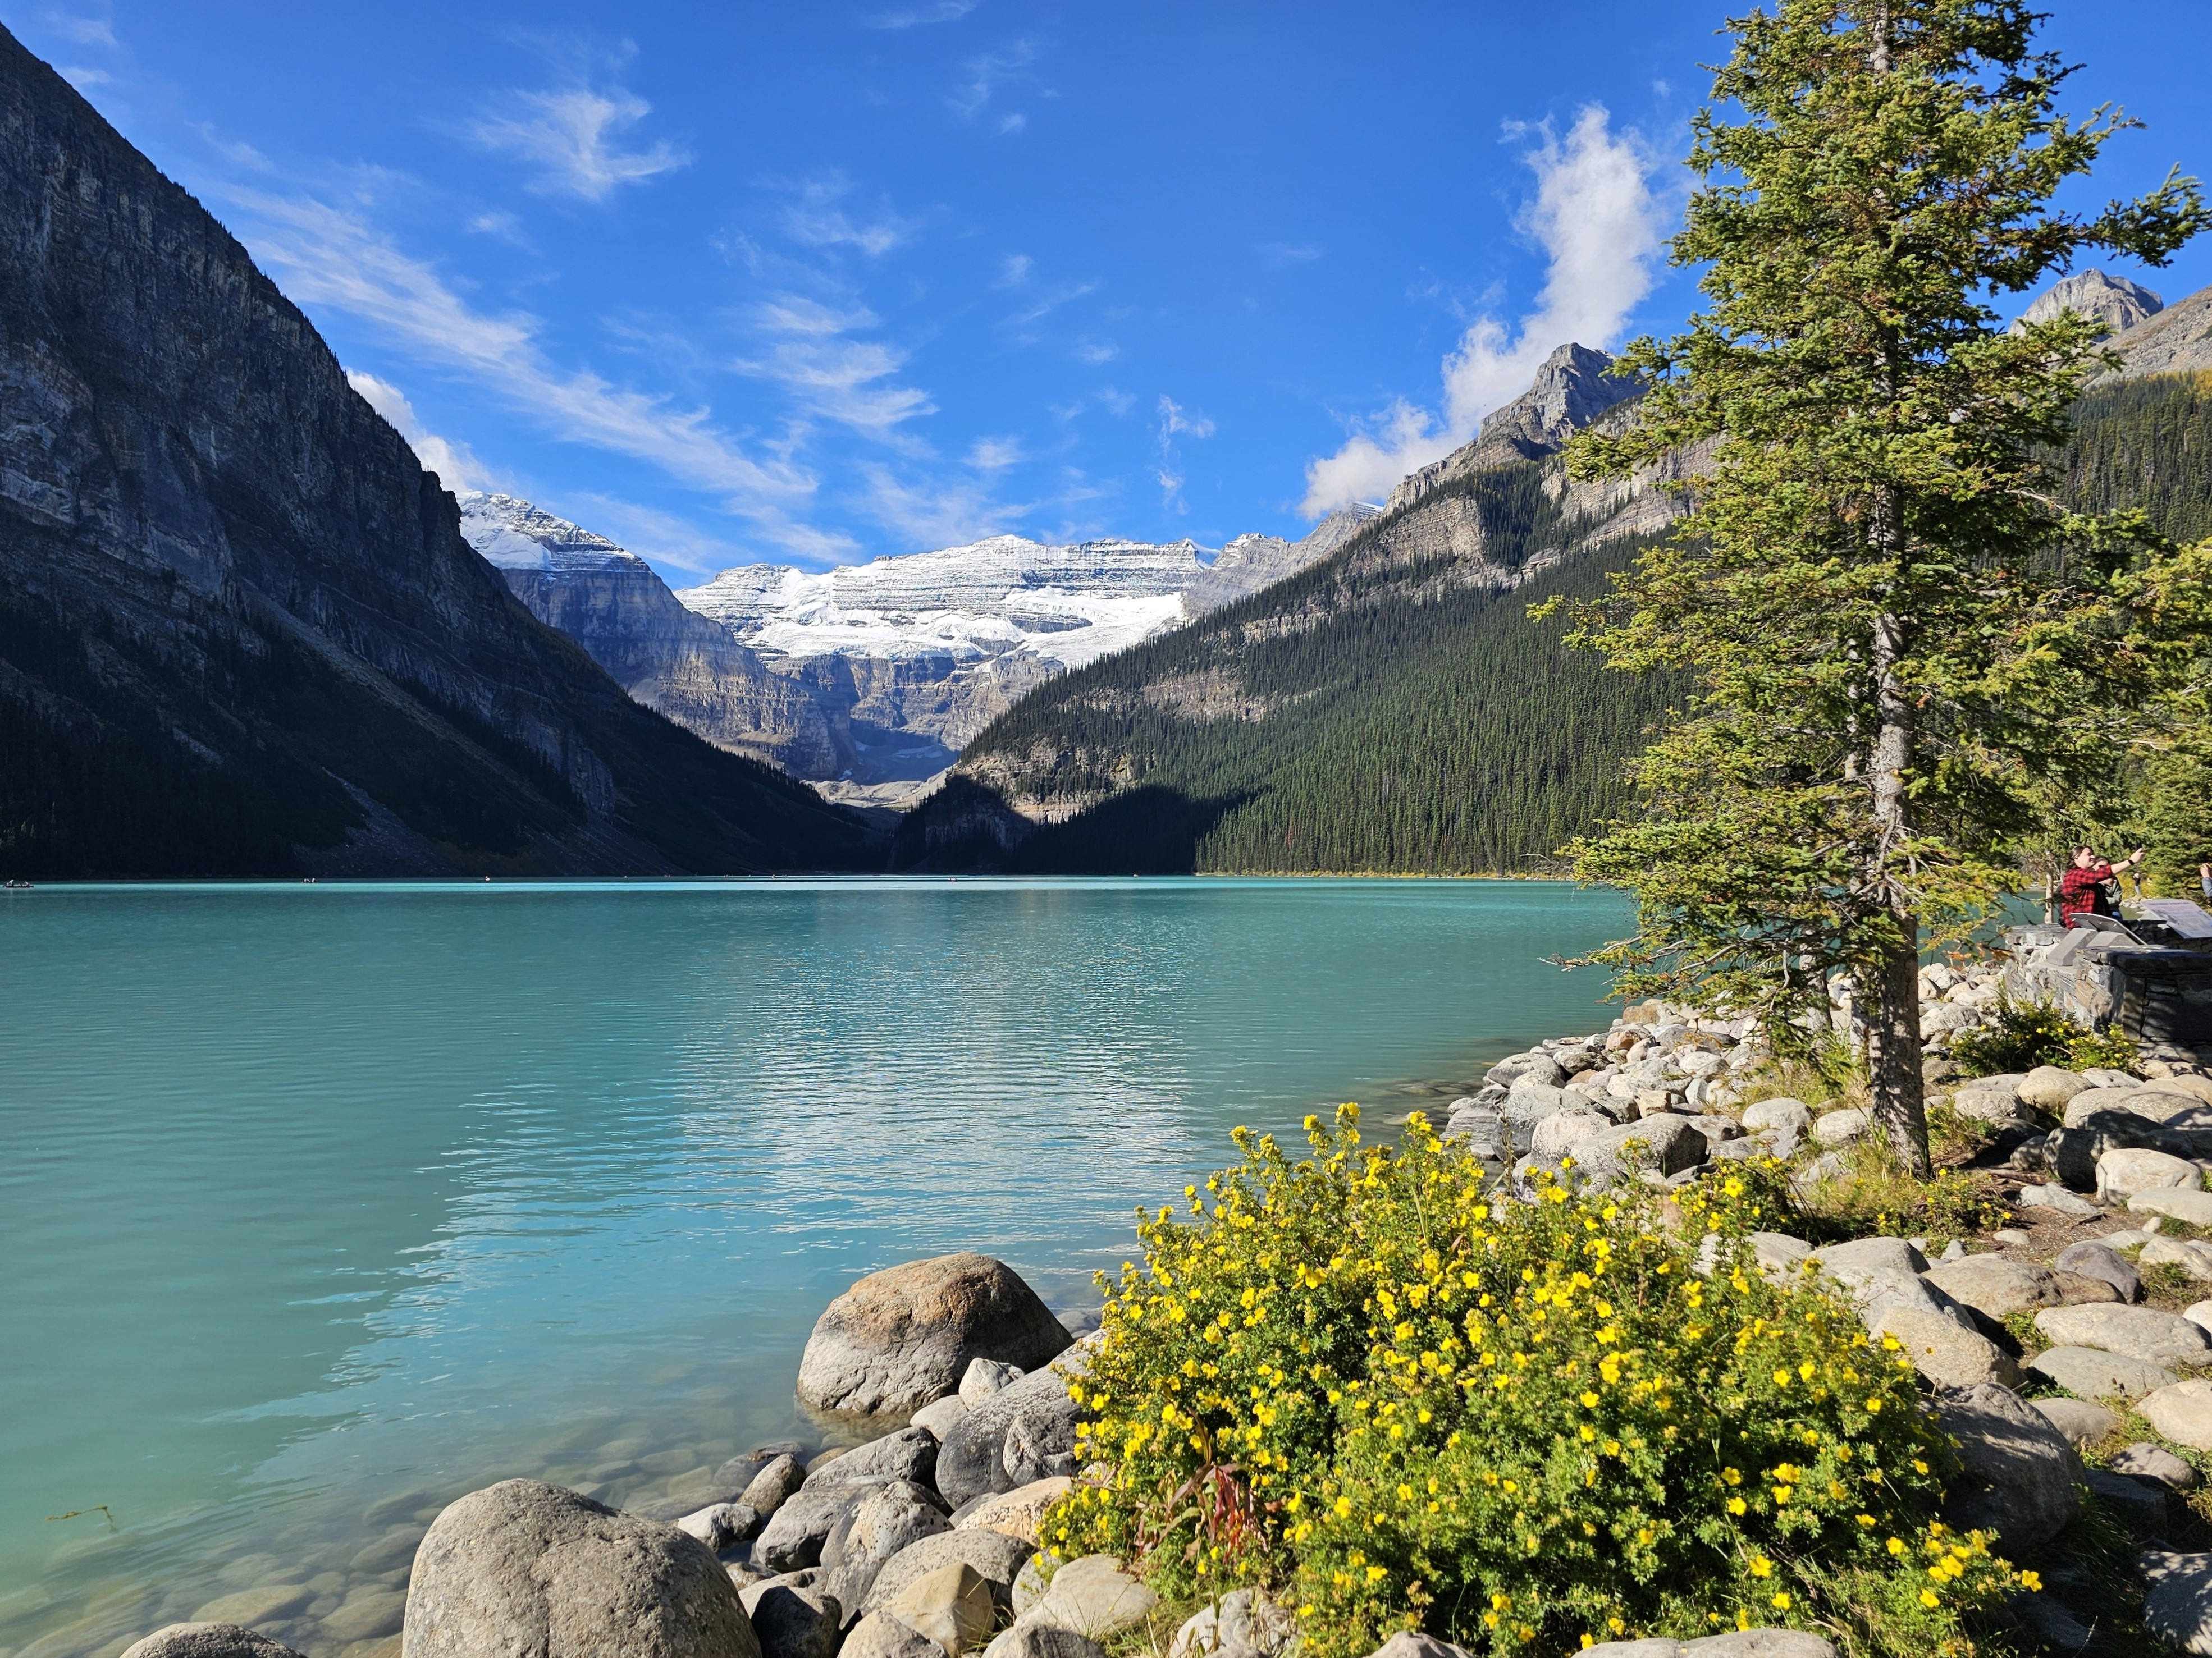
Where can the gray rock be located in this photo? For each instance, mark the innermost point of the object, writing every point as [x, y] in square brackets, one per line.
[1996, 1286]
[985, 1377]
[2090, 1259]
[2190, 1208]
[2072, 1153]
[952, 1606]
[1736, 1643]
[2144, 1333]
[974, 1457]
[1945, 1355]
[902, 1338]
[1827, 1167]
[721, 1525]
[2181, 1411]
[2094, 1373]
[2019, 1474]
[797, 1533]
[938, 1418]
[1865, 1259]
[996, 1558]
[525, 1567]
[909, 1454]
[2082, 1422]
[749, 1594]
[797, 1623]
[2123, 1173]
[1557, 1133]
[2048, 1088]
[2059, 1199]
[2050, 1622]
[1042, 1641]
[1836, 1128]
[879, 1635]
[1243, 1624]
[1093, 1595]
[1664, 1144]
[768, 1490]
[889, 1520]
[207, 1640]
[2138, 1505]
[2145, 1460]
[1766, 1116]
[2178, 1607]
[1989, 1099]
[1407, 1644]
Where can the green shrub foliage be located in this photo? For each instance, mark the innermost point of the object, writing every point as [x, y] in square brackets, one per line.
[1398, 1402]
[2023, 1036]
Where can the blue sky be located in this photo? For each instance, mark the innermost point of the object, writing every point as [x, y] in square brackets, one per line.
[816, 284]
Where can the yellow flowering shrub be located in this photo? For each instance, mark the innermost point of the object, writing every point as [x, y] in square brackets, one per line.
[1362, 1382]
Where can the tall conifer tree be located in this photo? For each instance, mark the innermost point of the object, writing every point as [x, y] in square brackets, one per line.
[1906, 651]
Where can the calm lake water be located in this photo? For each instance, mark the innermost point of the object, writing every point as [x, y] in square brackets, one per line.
[323, 1205]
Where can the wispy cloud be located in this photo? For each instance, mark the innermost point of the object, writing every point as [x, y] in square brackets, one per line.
[1095, 352]
[944, 511]
[332, 257]
[1175, 420]
[1289, 252]
[1014, 271]
[456, 467]
[1043, 305]
[574, 139]
[662, 538]
[1594, 216]
[82, 31]
[816, 219]
[984, 77]
[829, 373]
[945, 11]
[80, 77]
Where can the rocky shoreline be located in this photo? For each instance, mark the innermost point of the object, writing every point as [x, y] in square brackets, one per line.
[2064, 1350]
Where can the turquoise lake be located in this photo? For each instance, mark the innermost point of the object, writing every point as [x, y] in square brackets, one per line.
[322, 1205]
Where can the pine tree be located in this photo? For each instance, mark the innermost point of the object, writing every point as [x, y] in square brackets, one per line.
[1907, 652]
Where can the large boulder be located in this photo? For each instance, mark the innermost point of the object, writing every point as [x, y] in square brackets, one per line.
[795, 1537]
[905, 1336]
[2073, 1151]
[951, 1605]
[1735, 1644]
[1243, 1624]
[794, 1622]
[523, 1567]
[1944, 1354]
[2020, 1474]
[2179, 1607]
[2189, 1207]
[887, 1520]
[207, 1640]
[2121, 1174]
[1092, 1595]
[2082, 1422]
[2091, 1259]
[1016, 1437]
[2048, 1088]
[1018, 1513]
[2181, 1411]
[2142, 1332]
[997, 1558]
[909, 1454]
[2095, 1374]
[1996, 1286]
[1663, 1144]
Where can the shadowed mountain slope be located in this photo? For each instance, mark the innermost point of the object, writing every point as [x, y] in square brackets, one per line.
[240, 631]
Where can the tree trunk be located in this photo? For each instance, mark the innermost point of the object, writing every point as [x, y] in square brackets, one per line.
[1894, 1009]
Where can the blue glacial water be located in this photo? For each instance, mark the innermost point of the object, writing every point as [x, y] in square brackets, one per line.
[322, 1205]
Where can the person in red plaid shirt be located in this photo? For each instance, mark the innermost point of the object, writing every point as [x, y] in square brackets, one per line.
[2091, 887]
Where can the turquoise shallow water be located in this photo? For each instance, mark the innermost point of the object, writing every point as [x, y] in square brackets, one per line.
[321, 1205]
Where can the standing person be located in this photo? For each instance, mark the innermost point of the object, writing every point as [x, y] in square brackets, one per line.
[2091, 886]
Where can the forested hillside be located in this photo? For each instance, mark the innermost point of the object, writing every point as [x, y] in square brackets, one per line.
[1393, 709]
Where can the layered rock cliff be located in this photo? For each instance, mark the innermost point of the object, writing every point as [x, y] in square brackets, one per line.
[241, 631]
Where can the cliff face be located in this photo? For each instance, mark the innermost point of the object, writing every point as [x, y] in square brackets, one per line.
[241, 631]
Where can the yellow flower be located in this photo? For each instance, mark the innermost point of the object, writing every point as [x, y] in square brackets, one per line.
[1782, 1602]
[1897, 1545]
[1761, 1566]
[1589, 1401]
[1928, 1598]
[2029, 1580]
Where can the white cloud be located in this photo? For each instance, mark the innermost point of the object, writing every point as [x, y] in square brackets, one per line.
[1175, 418]
[457, 469]
[946, 512]
[1013, 123]
[815, 220]
[995, 454]
[945, 11]
[1014, 271]
[81, 78]
[331, 258]
[986, 74]
[82, 31]
[844, 379]
[1095, 352]
[1048, 302]
[661, 536]
[1594, 217]
[571, 137]
[1289, 252]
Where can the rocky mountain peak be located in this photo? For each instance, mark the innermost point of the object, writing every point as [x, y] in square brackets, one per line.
[519, 535]
[1575, 386]
[2113, 301]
